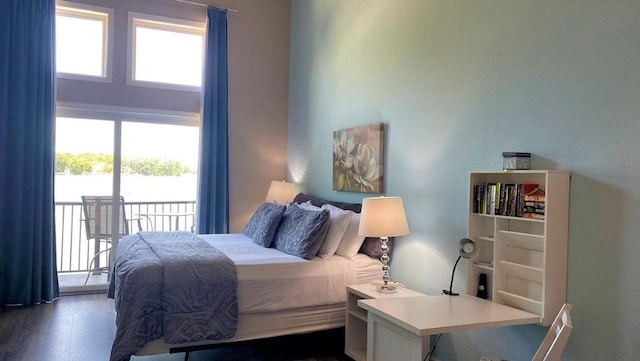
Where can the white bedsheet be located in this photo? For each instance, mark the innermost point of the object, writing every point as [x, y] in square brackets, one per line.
[270, 280]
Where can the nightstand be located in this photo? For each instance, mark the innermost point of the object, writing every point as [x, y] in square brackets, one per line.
[355, 336]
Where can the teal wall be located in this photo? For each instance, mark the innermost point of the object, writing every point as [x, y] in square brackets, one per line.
[459, 82]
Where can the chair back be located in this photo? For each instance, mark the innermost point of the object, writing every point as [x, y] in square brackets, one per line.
[98, 211]
[554, 342]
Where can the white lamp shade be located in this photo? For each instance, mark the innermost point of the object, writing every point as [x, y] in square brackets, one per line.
[281, 192]
[383, 217]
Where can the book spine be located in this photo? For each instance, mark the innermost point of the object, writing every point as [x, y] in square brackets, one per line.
[513, 200]
[492, 199]
[475, 198]
[483, 198]
[499, 198]
[519, 199]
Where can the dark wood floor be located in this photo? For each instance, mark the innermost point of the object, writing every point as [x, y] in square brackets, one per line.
[82, 328]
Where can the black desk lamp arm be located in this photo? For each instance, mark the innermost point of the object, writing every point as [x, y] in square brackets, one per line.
[450, 291]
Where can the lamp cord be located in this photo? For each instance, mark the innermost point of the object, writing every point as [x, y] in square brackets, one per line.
[429, 355]
[450, 292]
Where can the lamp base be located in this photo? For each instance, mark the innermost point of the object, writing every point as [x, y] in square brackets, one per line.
[386, 289]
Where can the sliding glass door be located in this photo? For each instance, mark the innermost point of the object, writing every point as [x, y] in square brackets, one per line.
[159, 174]
[147, 163]
[84, 168]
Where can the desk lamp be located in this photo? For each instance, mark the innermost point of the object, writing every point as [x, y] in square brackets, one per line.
[383, 217]
[281, 192]
[467, 249]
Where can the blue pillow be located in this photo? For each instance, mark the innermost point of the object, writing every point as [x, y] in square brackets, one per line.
[301, 231]
[263, 224]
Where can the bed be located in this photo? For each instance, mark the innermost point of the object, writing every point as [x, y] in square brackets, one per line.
[278, 293]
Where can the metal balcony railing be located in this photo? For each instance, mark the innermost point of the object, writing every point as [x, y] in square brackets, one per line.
[74, 250]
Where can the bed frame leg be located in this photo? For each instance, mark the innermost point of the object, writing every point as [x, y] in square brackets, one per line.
[186, 356]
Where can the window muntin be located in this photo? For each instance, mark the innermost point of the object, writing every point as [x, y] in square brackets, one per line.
[165, 53]
[83, 41]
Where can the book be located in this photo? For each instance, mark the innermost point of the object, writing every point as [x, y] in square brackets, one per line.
[476, 200]
[533, 215]
[492, 199]
[500, 206]
[534, 204]
[536, 195]
[524, 189]
[513, 200]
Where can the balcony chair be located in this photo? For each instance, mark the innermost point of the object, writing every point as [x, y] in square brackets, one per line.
[554, 342]
[98, 212]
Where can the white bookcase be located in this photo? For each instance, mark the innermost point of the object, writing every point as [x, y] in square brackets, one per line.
[355, 342]
[525, 259]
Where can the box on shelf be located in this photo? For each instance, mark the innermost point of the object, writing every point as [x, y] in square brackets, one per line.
[516, 160]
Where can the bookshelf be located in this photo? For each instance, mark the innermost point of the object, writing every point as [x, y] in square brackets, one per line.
[525, 259]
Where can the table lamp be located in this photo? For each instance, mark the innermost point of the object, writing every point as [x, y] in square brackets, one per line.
[383, 217]
[467, 249]
[281, 192]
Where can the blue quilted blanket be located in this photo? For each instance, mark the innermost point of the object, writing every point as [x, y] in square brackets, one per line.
[172, 285]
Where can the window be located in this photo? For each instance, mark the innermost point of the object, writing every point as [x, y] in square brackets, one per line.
[130, 135]
[83, 41]
[158, 161]
[165, 51]
[150, 158]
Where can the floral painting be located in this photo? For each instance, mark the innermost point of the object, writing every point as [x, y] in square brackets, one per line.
[358, 159]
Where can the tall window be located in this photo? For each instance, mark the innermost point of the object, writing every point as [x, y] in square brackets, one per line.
[83, 41]
[117, 136]
[165, 52]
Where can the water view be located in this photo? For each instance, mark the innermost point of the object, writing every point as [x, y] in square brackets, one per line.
[134, 188]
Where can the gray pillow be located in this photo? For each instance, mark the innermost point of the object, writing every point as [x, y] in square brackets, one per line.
[263, 224]
[301, 231]
[372, 247]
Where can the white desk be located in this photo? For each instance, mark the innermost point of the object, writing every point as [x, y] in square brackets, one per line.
[399, 328]
[355, 335]
[151, 217]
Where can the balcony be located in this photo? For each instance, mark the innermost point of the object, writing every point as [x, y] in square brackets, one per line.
[74, 251]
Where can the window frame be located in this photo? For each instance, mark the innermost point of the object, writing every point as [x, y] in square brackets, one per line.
[109, 112]
[165, 24]
[92, 12]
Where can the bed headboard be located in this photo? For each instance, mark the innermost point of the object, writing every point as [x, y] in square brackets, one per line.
[318, 202]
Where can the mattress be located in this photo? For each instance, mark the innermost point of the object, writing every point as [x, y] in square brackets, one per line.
[270, 280]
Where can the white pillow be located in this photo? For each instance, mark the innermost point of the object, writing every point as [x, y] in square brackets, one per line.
[339, 220]
[309, 207]
[351, 242]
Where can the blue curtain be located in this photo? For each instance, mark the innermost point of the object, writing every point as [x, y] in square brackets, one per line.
[213, 179]
[27, 114]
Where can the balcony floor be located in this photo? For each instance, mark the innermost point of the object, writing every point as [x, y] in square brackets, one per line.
[73, 283]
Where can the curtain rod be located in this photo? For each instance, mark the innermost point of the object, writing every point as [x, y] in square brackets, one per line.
[205, 5]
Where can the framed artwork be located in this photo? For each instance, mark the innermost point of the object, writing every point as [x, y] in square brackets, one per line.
[358, 159]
